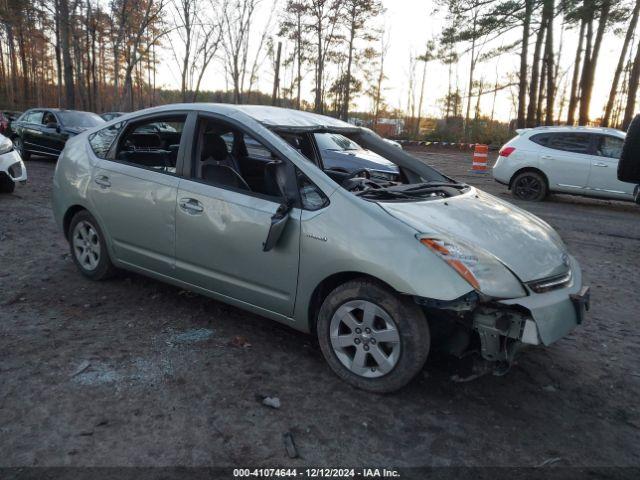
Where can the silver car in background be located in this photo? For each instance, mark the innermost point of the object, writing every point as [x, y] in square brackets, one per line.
[233, 202]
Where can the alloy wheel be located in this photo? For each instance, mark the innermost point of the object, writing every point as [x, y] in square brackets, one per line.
[86, 245]
[528, 188]
[365, 338]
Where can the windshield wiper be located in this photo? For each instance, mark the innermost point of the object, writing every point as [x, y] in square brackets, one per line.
[434, 185]
[383, 192]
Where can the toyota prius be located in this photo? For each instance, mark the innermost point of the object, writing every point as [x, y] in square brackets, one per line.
[237, 203]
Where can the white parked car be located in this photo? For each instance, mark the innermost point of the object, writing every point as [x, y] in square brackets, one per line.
[12, 168]
[574, 160]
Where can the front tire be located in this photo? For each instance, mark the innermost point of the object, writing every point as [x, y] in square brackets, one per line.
[88, 247]
[19, 146]
[6, 184]
[530, 186]
[371, 337]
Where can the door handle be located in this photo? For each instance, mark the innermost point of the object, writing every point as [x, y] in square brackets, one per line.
[103, 181]
[191, 206]
[600, 164]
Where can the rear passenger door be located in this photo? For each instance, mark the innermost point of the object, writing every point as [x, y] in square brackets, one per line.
[134, 187]
[603, 180]
[566, 161]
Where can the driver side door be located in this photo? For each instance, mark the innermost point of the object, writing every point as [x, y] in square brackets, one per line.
[220, 231]
[52, 138]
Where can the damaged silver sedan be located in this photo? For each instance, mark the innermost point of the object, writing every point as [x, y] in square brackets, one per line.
[236, 203]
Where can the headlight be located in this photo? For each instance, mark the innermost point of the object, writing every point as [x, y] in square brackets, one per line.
[5, 145]
[479, 268]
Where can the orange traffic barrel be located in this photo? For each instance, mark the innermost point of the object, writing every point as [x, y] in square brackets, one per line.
[480, 154]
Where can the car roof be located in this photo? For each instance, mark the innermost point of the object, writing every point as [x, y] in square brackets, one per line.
[273, 117]
[568, 129]
[56, 110]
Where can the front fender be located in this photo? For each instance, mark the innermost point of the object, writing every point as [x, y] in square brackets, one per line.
[354, 235]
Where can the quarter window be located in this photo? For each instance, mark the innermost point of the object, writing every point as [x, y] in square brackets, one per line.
[570, 142]
[541, 139]
[608, 146]
[311, 196]
[102, 140]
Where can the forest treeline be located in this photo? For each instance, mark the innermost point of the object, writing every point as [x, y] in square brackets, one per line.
[104, 55]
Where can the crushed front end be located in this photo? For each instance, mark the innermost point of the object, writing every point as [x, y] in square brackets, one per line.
[499, 329]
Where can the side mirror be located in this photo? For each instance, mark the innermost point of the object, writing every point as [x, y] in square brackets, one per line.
[278, 223]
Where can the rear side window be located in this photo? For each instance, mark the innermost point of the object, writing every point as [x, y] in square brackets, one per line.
[33, 117]
[102, 140]
[152, 144]
[569, 142]
[608, 146]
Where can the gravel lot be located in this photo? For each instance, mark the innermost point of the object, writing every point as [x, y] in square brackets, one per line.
[135, 372]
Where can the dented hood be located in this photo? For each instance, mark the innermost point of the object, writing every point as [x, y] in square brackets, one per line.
[528, 246]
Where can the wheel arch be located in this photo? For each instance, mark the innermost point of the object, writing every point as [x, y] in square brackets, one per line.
[68, 216]
[529, 169]
[329, 284]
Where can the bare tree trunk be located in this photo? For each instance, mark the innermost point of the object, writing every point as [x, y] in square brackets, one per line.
[549, 62]
[616, 76]
[591, 61]
[424, 76]
[535, 76]
[65, 34]
[573, 95]
[634, 78]
[347, 88]
[524, 57]
[472, 67]
[299, 53]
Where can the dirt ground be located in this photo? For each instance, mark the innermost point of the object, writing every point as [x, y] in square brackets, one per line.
[132, 372]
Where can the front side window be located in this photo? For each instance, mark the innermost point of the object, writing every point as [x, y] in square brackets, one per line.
[102, 140]
[48, 118]
[144, 145]
[608, 146]
[570, 142]
[230, 158]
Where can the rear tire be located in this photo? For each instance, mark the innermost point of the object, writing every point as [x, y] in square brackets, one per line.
[88, 247]
[6, 184]
[372, 337]
[530, 186]
[19, 146]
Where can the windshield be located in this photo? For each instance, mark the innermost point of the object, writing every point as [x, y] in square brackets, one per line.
[80, 119]
[335, 141]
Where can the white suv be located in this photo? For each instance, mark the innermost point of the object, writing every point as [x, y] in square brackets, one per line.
[575, 160]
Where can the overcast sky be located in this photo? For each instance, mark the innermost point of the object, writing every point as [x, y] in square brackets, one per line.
[409, 24]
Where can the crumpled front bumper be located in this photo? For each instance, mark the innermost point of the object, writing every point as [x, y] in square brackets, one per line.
[13, 166]
[557, 312]
[505, 326]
